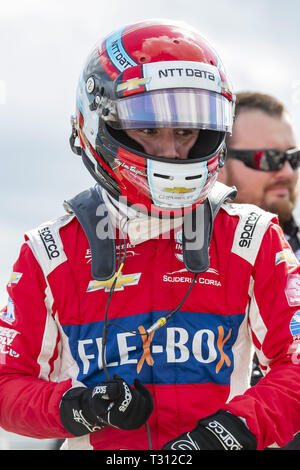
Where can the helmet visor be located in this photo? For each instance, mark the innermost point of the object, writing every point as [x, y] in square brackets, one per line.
[176, 108]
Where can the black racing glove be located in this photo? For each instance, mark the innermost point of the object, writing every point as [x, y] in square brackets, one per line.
[219, 431]
[115, 403]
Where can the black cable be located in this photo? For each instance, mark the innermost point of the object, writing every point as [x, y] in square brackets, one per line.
[154, 327]
[163, 320]
[106, 324]
[111, 291]
[149, 435]
[105, 328]
[184, 298]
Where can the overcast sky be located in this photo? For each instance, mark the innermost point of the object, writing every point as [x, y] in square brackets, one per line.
[43, 45]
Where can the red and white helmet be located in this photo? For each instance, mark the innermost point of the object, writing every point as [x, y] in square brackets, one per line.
[148, 75]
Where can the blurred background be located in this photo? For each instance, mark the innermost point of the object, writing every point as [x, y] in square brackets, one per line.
[43, 45]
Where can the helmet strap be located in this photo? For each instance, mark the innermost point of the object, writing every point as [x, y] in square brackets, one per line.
[198, 228]
[75, 148]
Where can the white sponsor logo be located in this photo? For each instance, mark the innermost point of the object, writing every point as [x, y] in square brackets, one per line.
[7, 337]
[129, 252]
[128, 397]
[185, 444]
[292, 290]
[205, 348]
[185, 279]
[182, 74]
[8, 333]
[227, 440]
[99, 390]
[80, 419]
[131, 168]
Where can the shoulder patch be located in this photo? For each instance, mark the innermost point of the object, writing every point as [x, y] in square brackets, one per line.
[46, 244]
[250, 229]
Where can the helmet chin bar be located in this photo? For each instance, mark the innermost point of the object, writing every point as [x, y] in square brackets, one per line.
[177, 185]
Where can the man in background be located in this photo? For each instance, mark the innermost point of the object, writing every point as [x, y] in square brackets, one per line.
[262, 162]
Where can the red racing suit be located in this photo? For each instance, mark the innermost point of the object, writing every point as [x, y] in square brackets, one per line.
[199, 362]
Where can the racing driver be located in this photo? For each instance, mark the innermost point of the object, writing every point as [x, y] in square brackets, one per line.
[132, 319]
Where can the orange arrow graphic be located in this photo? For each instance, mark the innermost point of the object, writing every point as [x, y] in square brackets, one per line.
[146, 347]
[220, 343]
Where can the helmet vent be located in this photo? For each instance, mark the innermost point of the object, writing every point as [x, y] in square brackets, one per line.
[196, 177]
[167, 177]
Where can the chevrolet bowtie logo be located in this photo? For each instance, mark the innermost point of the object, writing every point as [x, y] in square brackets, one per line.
[133, 84]
[123, 281]
[286, 256]
[14, 278]
[179, 190]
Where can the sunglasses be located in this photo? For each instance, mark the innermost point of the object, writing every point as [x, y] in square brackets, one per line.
[266, 160]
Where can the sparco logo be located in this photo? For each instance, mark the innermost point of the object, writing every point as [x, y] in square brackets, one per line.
[227, 440]
[127, 399]
[248, 229]
[49, 243]
[186, 443]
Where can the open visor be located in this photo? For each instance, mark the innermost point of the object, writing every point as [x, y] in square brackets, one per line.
[180, 108]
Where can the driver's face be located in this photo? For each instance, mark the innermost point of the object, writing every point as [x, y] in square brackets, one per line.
[168, 143]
